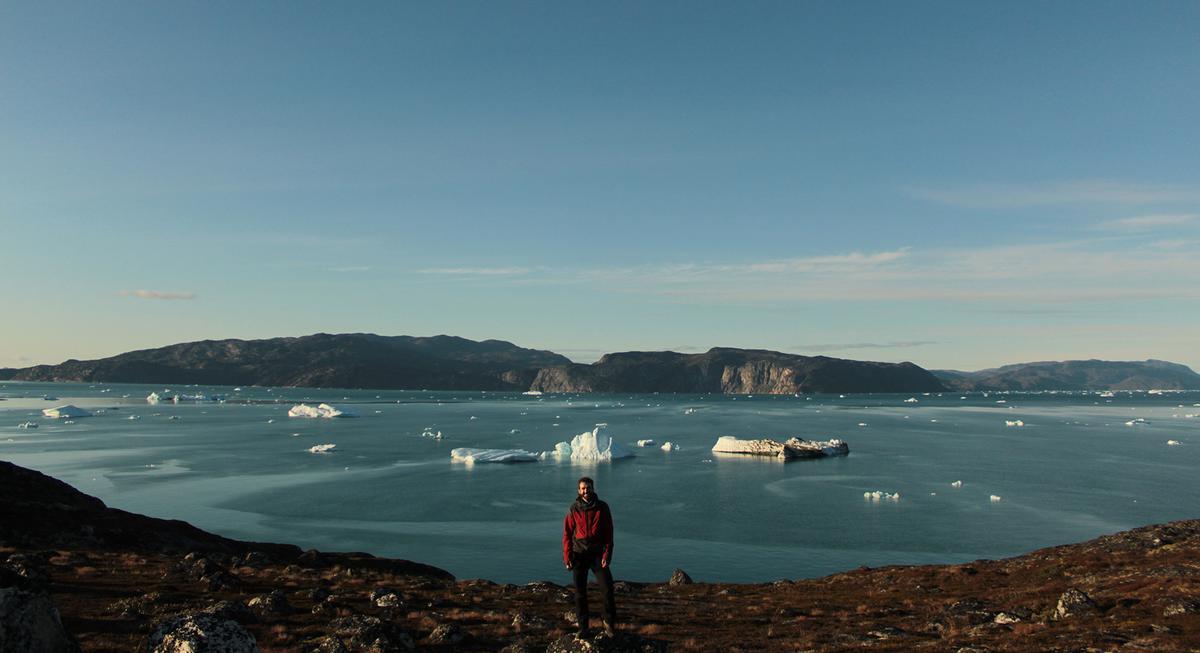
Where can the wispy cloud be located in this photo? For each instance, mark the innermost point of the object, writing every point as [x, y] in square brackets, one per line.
[157, 294]
[485, 272]
[1149, 222]
[352, 268]
[1094, 191]
[903, 344]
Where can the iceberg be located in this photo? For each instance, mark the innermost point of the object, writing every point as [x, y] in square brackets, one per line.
[321, 448]
[670, 446]
[1014, 422]
[645, 443]
[322, 410]
[66, 412]
[879, 495]
[153, 398]
[27, 425]
[995, 498]
[910, 400]
[792, 449]
[956, 484]
[591, 447]
[472, 456]
[532, 393]
[1172, 443]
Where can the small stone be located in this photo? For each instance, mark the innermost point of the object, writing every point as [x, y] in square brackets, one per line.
[679, 577]
[447, 634]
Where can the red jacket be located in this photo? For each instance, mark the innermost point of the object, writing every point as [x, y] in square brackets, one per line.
[588, 530]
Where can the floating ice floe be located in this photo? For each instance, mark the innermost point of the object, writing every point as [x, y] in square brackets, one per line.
[472, 456]
[134, 417]
[429, 433]
[153, 398]
[792, 449]
[669, 446]
[995, 498]
[689, 411]
[173, 417]
[1137, 421]
[591, 447]
[514, 431]
[322, 448]
[532, 393]
[1172, 443]
[1014, 422]
[321, 410]
[646, 443]
[862, 424]
[27, 425]
[911, 400]
[956, 484]
[878, 495]
[66, 412]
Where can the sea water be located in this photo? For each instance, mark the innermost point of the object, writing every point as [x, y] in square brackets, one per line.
[1079, 467]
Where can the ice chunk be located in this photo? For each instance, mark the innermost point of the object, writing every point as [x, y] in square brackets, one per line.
[910, 400]
[472, 456]
[793, 448]
[646, 443]
[153, 398]
[591, 447]
[322, 448]
[1172, 442]
[670, 446]
[1014, 422]
[956, 484]
[532, 393]
[1137, 421]
[995, 498]
[878, 495]
[66, 412]
[27, 425]
[321, 410]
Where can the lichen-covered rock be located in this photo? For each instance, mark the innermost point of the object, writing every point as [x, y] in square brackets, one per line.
[366, 633]
[200, 633]
[387, 598]
[680, 577]
[523, 622]
[29, 623]
[602, 643]
[273, 603]
[447, 634]
[1074, 603]
[1183, 606]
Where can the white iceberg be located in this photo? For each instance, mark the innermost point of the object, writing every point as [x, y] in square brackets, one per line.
[670, 446]
[592, 447]
[995, 498]
[153, 398]
[472, 456]
[66, 412]
[322, 448]
[1172, 443]
[646, 443]
[791, 449]
[878, 495]
[1014, 422]
[910, 400]
[321, 410]
[532, 393]
[1137, 421]
[27, 425]
[956, 484]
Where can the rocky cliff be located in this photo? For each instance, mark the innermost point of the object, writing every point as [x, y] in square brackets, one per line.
[1076, 375]
[733, 371]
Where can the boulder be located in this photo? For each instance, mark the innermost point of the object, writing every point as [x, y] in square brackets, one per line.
[1183, 606]
[200, 633]
[524, 622]
[1074, 603]
[387, 598]
[447, 634]
[602, 643]
[680, 577]
[274, 603]
[30, 623]
[366, 633]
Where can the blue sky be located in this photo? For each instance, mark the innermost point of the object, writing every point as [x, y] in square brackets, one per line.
[961, 185]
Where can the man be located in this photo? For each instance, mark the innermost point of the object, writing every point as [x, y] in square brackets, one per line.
[588, 544]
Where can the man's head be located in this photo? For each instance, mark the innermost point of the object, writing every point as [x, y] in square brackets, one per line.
[587, 488]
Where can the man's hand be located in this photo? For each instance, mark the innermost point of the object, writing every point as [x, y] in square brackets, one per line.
[570, 566]
[604, 563]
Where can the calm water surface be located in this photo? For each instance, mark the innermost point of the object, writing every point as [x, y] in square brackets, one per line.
[1074, 471]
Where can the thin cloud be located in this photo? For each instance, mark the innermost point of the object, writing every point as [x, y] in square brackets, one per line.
[158, 294]
[1061, 193]
[352, 268]
[484, 272]
[1149, 222]
[903, 344]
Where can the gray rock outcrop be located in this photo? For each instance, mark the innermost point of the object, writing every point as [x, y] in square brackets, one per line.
[1074, 603]
[30, 623]
[601, 643]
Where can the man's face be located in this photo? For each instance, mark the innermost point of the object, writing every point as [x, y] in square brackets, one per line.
[585, 490]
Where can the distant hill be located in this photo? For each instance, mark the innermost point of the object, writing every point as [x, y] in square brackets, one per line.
[7, 373]
[1076, 375]
[356, 360]
[733, 371]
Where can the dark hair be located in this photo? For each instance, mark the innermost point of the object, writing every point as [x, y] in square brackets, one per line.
[585, 479]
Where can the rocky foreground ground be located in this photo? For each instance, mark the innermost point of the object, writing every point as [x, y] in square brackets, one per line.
[76, 575]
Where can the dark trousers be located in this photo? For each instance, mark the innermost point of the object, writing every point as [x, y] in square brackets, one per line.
[580, 565]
